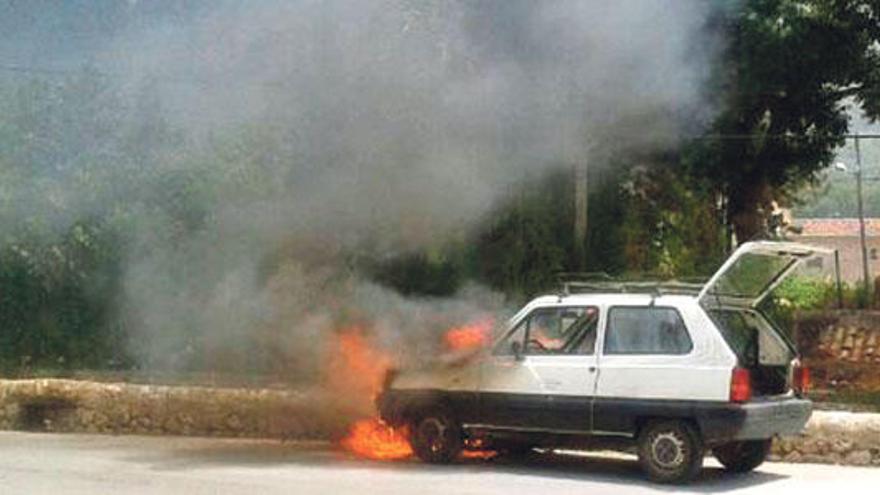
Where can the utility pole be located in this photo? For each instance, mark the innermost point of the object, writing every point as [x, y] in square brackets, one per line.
[866, 273]
[581, 206]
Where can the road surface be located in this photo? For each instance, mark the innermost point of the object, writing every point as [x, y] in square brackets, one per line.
[38, 463]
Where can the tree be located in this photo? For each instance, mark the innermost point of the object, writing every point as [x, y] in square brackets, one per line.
[788, 73]
[670, 227]
[528, 239]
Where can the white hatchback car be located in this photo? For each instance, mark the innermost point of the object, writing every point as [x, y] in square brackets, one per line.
[672, 370]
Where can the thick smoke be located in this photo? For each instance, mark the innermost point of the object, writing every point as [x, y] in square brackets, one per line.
[381, 127]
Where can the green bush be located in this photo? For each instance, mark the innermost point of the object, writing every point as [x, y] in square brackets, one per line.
[797, 294]
[802, 293]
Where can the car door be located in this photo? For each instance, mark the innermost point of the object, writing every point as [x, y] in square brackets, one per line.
[542, 373]
[650, 364]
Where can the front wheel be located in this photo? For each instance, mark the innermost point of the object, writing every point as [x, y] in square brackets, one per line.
[742, 457]
[436, 436]
[670, 451]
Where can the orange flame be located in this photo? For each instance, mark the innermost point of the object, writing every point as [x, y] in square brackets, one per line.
[483, 455]
[357, 368]
[475, 448]
[373, 439]
[470, 336]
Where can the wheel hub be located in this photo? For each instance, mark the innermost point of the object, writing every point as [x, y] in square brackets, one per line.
[433, 431]
[668, 450]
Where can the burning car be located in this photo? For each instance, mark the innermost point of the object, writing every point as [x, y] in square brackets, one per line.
[672, 370]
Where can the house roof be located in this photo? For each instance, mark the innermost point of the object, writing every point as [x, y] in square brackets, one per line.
[837, 227]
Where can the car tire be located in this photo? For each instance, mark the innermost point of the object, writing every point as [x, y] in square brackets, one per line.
[742, 457]
[435, 436]
[670, 451]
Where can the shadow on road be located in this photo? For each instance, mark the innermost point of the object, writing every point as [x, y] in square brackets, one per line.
[612, 470]
[626, 471]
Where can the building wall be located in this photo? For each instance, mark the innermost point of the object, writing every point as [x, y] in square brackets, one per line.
[850, 255]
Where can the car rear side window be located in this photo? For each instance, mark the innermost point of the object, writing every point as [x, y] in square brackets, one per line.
[646, 330]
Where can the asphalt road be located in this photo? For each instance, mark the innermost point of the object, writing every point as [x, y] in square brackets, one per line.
[37, 463]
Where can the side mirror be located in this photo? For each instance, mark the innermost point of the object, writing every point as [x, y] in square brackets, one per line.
[516, 350]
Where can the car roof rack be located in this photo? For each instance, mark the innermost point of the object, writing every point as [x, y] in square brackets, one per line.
[598, 282]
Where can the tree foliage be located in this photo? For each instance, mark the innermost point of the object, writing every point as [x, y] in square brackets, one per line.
[783, 85]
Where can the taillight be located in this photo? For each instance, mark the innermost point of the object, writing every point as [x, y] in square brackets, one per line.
[801, 379]
[740, 385]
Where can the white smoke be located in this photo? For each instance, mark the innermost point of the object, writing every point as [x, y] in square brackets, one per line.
[367, 128]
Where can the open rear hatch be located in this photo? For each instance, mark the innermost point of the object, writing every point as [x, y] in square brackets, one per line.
[731, 298]
[753, 271]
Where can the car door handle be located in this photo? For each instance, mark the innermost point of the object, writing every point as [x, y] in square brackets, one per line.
[591, 369]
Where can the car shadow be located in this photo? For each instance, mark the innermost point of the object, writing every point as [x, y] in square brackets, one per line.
[624, 469]
[615, 469]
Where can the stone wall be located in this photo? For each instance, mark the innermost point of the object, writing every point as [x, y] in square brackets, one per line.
[834, 438]
[842, 350]
[81, 406]
[852, 336]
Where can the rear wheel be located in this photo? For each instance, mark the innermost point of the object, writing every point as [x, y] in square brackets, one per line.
[742, 457]
[670, 451]
[436, 436]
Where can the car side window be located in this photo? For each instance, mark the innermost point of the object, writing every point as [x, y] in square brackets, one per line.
[545, 334]
[578, 329]
[586, 343]
[646, 330]
[549, 331]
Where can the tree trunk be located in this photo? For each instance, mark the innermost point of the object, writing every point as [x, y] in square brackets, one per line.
[748, 208]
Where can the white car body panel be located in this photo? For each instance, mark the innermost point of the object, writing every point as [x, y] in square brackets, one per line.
[556, 375]
[464, 377]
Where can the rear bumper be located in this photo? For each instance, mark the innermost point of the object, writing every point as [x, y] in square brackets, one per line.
[756, 420]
